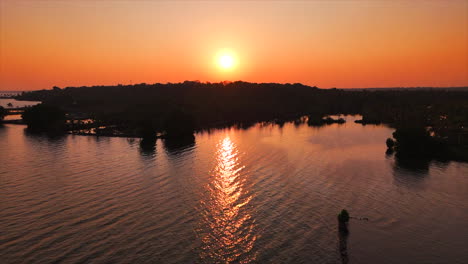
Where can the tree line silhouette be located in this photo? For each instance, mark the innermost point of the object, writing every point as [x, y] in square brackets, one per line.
[177, 109]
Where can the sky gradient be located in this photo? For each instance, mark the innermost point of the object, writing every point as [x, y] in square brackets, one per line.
[341, 44]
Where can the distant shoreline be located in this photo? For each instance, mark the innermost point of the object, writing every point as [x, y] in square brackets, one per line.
[414, 88]
[454, 89]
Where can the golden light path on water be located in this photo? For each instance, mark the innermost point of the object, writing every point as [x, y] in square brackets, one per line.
[229, 235]
[263, 194]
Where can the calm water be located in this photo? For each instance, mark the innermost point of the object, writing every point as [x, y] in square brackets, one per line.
[14, 103]
[262, 195]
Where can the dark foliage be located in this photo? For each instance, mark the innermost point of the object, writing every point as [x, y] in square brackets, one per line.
[425, 119]
[3, 112]
[414, 139]
[318, 120]
[329, 120]
[179, 124]
[44, 117]
[147, 130]
[214, 104]
[390, 143]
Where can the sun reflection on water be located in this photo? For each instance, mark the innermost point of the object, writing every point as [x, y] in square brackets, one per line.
[228, 236]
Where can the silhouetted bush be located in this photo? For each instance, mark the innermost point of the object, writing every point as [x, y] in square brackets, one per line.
[44, 117]
[413, 140]
[315, 120]
[3, 112]
[390, 143]
[328, 120]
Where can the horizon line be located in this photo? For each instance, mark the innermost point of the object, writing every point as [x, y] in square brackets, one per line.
[226, 81]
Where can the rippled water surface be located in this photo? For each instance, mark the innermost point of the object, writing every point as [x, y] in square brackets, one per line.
[4, 102]
[266, 194]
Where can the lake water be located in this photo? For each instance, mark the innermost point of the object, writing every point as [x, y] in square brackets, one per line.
[266, 194]
[16, 104]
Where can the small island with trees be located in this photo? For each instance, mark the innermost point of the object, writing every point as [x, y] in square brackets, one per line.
[430, 123]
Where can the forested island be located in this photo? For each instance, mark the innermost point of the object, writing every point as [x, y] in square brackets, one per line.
[429, 123]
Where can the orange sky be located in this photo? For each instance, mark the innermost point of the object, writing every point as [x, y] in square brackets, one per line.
[324, 43]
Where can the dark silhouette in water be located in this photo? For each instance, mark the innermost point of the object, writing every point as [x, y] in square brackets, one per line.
[3, 112]
[175, 146]
[343, 220]
[329, 120]
[415, 147]
[343, 233]
[51, 136]
[418, 164]
[390, 143]
[314, 120]
[148, 146]
[44, 117]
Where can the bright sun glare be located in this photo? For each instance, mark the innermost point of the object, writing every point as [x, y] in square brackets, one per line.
[226, 61]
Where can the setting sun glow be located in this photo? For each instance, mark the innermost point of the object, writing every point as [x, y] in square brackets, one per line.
[226, 61]
[333, 44]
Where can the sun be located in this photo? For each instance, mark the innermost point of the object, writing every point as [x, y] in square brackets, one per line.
[226, 61]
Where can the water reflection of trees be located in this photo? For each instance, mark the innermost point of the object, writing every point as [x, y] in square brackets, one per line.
[51, 136]
[148, 147]
[409, 171]
[412, 172]
[174, 146]
[416, 163]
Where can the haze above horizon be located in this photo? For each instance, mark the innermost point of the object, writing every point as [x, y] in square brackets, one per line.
[343, 44]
